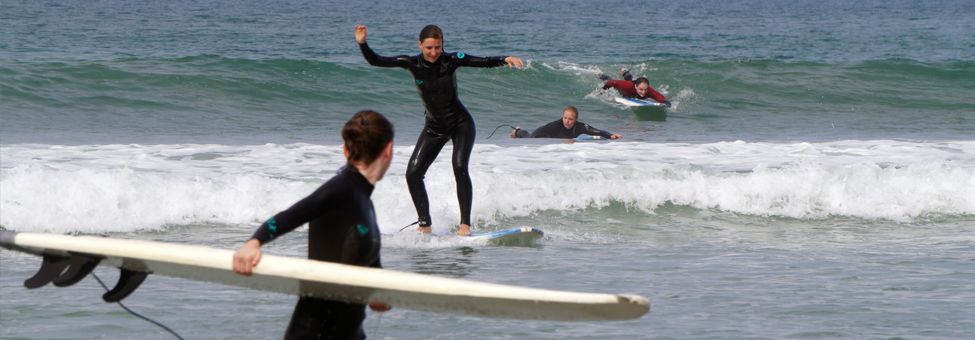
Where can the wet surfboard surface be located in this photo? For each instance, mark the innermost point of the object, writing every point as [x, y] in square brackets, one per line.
[68, 259]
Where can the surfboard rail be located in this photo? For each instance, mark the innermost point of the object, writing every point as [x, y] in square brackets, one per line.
[318, 278]
[515, 236]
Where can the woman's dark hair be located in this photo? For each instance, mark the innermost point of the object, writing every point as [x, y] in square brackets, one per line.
[366, 134]
[641, 80]
[431, 31]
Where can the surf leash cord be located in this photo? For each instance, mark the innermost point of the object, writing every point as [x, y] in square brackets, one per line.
[409, 225]
[500, 126]
[137, 314]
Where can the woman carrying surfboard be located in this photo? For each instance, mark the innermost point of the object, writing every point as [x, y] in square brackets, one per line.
[433, 73]
[341, 228]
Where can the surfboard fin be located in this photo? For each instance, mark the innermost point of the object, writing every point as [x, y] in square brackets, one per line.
[62, 271]
[128, 281]
[79, 266]
[51, 267]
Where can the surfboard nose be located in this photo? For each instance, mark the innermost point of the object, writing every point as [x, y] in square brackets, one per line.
[642, 303]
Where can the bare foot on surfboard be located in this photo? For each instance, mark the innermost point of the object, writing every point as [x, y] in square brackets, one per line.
[424, 230]
[464, 230]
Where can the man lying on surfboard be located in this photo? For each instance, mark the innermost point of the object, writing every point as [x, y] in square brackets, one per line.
[639, 88]
[568, 127]
[341, 228]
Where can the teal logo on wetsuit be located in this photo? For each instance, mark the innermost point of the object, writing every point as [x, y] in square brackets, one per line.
[272, 226]
[461, 55]
[419, 82]
[362, 229]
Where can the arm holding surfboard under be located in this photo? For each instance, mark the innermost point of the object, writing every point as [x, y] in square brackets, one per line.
[249, 255]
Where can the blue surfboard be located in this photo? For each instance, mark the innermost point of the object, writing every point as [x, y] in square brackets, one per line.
[518, 236]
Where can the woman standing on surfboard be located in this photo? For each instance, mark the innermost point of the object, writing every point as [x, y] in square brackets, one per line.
[341, 228]
[446, 118]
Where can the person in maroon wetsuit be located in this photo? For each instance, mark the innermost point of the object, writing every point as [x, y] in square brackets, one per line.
[639, 88]
[341, 228]
[567, 128]
[434, 74]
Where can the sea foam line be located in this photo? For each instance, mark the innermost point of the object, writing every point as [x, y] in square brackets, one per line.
[130, 187]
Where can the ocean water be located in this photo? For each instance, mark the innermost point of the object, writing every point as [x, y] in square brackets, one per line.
[815, 178]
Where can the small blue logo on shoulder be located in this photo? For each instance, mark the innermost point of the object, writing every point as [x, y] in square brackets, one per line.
[461, 55]
[362, 229]
[419, 81]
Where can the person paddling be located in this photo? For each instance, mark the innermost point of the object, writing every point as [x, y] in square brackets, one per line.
[568, 127]
[639, 88]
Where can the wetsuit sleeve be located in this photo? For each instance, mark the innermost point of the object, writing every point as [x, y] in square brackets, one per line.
[472, 61]
[589, 130]
[550, 130]
[655, 95]
[298, 214]
[381, 61]
[616, 84]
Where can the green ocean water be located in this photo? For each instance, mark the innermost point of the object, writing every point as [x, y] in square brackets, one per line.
[225, 72]
[211, 98]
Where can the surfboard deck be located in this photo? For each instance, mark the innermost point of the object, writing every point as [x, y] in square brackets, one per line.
[587, 138]
[645, 110]
[518, 236]
[633, 102]
[67, 259]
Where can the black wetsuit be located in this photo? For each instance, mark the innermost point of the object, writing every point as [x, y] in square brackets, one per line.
[446, 119]
[341, 228]
[557, 130]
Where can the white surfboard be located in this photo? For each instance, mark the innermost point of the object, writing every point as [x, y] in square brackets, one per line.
[67, 259]
[511, 236]
[633, 102]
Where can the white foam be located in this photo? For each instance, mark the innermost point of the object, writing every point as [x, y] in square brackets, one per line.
[575, 68]
[410, 239]
[94, 188]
